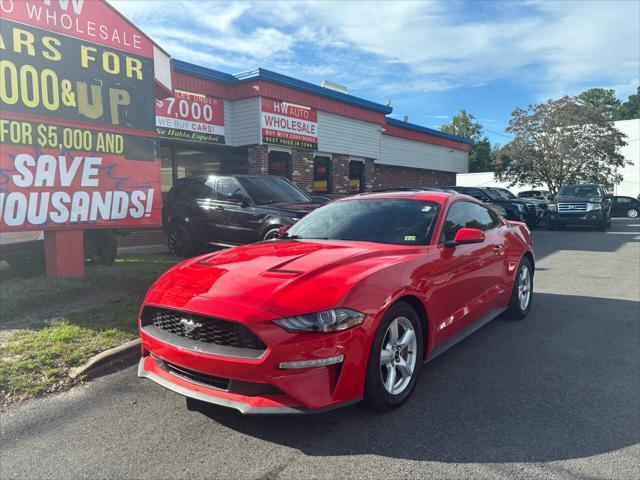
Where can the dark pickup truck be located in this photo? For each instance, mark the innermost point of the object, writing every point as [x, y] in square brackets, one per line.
[581, 205]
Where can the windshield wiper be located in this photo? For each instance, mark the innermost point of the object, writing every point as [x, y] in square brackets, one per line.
[298, 237]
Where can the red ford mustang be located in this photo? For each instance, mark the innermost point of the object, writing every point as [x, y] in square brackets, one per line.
[347, 306]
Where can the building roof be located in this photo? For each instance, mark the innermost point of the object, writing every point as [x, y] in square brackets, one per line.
[279, 79]
[425, 130]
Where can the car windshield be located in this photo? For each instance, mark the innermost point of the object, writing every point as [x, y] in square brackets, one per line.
[503, 193]
[395, 221]
[266, 190]
[579, 191]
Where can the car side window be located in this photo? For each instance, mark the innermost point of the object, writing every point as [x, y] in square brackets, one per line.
[196, 190]
[623, 199]
[467, 215]
[226, 188]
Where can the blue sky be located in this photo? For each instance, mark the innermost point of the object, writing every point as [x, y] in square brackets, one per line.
[430, 58]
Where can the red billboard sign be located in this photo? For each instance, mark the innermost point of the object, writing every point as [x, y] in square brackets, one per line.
[77, 129]
[191, 116]
[288, 124]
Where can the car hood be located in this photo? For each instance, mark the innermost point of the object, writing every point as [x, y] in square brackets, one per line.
[533, 201]
[578, 199]
[298, 209]
[281, 277]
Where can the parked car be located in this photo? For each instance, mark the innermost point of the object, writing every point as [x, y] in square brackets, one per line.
[541, 205]
[625, 207]
[588, 204]
[537, 194]
[346, 307]
[517, 209]
[230, 210]
[322, 198]
[25, 250]
[500, 210]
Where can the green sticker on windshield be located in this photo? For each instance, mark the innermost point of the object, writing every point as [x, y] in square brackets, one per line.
[409, 238]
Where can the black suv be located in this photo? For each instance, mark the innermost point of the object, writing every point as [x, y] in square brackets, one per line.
[581, 205]
[230, 210]
[519, 209]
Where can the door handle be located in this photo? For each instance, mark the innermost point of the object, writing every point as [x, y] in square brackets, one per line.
[498, 249]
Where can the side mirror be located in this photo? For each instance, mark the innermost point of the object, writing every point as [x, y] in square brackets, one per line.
[282, 231]
[466, 236]
[240, 198]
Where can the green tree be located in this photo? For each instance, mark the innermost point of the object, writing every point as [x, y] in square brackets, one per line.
[604, 100]
[629, 109]
[561, 142]
[464, 125]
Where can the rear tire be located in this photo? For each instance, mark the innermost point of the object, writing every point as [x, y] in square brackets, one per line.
[179, 241]
[632, 213]
[271, 234]
[522, 292]
[397, 347]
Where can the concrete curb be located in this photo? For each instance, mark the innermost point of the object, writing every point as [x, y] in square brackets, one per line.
[109, 360]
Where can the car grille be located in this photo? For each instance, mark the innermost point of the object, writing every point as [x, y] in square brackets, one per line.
[572, 207]
[216, 382]
[202, 328]
[531, 210]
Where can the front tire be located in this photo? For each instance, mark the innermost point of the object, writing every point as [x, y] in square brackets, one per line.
[179, 241]
[395, 358]
[522, 292]
[100, 246]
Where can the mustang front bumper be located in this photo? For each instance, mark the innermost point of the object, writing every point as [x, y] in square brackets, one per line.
[267, 384]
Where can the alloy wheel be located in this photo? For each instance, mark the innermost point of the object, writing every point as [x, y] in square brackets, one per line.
[398, 355]
[632, 213]
[177, 242]
[524, 287]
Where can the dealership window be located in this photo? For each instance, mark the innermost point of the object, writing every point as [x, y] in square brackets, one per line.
[321, 174]
[280, 163]
[166, 167]
[193, 161]
[356, 176]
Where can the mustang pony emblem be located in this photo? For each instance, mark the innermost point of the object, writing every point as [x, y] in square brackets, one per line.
[189, 325]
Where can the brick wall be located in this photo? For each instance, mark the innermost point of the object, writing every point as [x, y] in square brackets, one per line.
[258, 160]
[340, 174]
[302, 169]
[369, 173]
[389, 176]
[142, 236]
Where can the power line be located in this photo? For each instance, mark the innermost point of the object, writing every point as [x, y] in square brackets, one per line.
[498, 133]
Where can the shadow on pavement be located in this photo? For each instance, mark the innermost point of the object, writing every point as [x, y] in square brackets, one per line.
[561, 384]
[585, 239]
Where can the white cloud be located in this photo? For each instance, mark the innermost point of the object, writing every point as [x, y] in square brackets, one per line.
[550, 47]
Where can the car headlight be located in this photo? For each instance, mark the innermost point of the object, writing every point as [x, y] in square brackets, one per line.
[334, 320]
[521, 207]
[593, 206]
[553, 207]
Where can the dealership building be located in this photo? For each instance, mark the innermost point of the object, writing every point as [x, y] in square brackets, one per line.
[99, 94]
[323, 139]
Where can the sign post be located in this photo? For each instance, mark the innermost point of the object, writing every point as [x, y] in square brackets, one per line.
[77, 125]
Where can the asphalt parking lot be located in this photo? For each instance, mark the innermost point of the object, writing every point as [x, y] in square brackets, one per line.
[554, 396]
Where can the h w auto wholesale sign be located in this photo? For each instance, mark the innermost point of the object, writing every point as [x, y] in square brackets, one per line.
[77, 129]
[288, 124]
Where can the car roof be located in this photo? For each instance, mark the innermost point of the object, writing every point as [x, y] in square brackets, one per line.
[434, 195]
